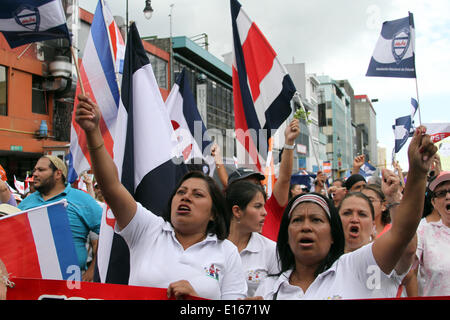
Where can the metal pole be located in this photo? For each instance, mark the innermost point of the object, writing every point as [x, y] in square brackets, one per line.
[418, 102]
[171, 49]
[127, 18]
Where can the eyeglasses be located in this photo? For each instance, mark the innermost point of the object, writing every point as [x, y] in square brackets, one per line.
[441, 193]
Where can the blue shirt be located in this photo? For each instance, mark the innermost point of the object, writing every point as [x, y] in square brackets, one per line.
[83, 212]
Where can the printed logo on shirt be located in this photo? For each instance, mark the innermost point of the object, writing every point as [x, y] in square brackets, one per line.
[212, 271]
[255, 276]
[335, 297]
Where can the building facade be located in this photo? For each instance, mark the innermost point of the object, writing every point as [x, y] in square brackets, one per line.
[365, 117]
[311, 143]
[335, 119]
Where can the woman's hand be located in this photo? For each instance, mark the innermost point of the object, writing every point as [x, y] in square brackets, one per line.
[421, 152]
[87, 113]
[180, 289]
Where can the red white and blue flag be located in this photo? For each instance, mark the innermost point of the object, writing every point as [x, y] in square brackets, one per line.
[38, 243]
[100, 74]
[193, 139]
[262, 90]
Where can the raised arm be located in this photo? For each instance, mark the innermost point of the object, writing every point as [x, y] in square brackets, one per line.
[389, 248]
[221, 171]
[357, 163]
[281, 187]
[116, 196]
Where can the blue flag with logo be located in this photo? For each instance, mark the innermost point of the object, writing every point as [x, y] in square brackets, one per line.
[25, 21]
[401, 128]
[394, 52]
[367, 170]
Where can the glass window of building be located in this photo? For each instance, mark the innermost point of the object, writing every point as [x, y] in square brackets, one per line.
[3, 91]
[38, 96]
[159, 69]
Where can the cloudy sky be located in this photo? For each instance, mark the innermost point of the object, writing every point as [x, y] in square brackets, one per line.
[334, 38]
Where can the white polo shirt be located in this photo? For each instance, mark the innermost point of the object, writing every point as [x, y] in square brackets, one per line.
[258, 260]
[354, 275]
[213, 267]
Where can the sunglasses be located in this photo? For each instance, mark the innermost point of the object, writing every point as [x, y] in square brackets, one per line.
[441, 193]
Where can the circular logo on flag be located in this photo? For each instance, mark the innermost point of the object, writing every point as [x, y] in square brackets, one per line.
[28, 17]
[400, 44]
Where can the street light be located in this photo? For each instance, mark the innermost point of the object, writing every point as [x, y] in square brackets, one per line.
[148, 10]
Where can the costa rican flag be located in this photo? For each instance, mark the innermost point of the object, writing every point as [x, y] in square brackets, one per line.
[38, 243]
[20, 186]
[25, 21]
[193, 139]
[262, 90]
[100, 72]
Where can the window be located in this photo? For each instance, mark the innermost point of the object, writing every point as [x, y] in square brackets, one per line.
[3, 92]
[159, 67]
[38, 96]
[322, 115]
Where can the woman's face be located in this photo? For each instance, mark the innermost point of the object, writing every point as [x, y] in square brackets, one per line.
[191, 207]
[296, 190]
[377, 202]
[309, 233]
[441, 202]
[357, 222]
[252, 218]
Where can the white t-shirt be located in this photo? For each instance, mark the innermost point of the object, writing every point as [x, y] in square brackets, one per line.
[433, 253]
[354, 275]
[213, 267]
[259, 259]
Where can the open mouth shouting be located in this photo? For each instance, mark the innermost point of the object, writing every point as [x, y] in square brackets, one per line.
[183, 209]
[354, 231]
[306, 242]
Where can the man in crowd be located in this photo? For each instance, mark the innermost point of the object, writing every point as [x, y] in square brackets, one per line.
[49, 177]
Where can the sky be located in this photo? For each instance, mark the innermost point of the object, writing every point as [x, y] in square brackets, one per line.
[334, 38]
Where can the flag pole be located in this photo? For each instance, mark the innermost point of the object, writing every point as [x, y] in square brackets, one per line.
[78, 70]
[418, 102]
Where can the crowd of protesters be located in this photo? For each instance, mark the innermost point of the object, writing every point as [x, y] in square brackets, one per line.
[344, 239]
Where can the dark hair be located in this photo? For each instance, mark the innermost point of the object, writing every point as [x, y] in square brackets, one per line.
[385, 215]
[342, 181]
[220, 225]
[362, 196]
[291, 187]
[353, 179]
[241, 192]
[286, 257]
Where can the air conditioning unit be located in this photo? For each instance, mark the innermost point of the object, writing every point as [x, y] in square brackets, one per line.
[39, 51]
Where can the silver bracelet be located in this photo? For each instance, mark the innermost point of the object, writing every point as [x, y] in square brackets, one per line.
[289, 146]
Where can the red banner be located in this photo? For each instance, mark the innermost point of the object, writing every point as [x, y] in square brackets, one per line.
[40, 289]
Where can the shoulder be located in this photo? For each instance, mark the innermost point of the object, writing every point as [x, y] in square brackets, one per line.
[227, 246]
[262, 241]
[29, 202]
